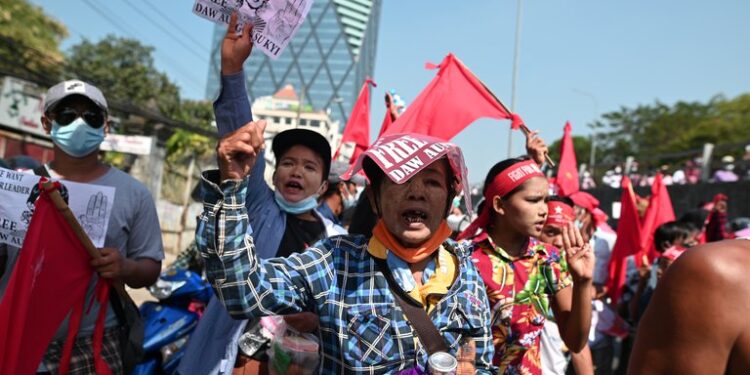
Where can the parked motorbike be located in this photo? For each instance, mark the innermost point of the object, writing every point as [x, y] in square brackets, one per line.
[182, 296]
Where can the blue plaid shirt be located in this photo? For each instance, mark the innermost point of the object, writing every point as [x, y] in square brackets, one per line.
[362, 328]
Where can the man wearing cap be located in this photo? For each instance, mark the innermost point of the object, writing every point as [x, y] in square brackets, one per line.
[75, 117]
[285, 219]
[340, 196]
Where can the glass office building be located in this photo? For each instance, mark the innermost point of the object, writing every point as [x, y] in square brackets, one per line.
[326, 61]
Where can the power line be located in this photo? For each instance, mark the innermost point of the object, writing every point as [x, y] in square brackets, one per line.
[45, 80]
[165, 30]
[176, 65]
[186, 34]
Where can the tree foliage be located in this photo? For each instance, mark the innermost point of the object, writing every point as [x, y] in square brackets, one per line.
[30, 40]
[658, 133]
[124, 69]
[183, 143]
[581, 145]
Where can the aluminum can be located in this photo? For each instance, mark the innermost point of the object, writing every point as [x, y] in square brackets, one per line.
[442, 363]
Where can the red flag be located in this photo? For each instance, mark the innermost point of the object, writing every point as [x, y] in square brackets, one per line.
[628, 240]
[357, 129]
[659, 211]
[454, 99]
[567, 172]
[49, 279]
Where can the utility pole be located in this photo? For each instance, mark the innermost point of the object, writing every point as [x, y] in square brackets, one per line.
[299, 106]
[515, 75]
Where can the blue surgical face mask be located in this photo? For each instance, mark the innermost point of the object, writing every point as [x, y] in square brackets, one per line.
[77, 139]
[297, 208]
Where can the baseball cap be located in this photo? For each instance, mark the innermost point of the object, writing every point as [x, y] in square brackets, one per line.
[308, 138]
[64, 89]
[339, 168]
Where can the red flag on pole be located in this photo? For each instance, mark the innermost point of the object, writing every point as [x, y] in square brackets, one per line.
[628, 240]
[49, 280]
[357, 129]
[454, 99]
[659, 211]
[567, 172]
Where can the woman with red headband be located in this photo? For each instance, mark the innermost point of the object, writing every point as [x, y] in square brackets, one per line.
[525, 277]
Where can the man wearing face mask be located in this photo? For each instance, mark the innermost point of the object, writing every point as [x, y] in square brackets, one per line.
[75, 116]
[339, 196]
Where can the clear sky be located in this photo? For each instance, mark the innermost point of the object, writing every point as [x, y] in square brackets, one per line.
[578, 59]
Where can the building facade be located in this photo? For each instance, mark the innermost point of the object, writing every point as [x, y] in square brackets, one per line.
[327, 60]
[282, 111]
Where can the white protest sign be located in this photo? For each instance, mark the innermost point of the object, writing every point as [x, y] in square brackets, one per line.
[274, 21]
[131, 144]
[91, 205]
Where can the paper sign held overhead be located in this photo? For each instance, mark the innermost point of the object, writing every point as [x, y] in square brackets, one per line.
[274, 21]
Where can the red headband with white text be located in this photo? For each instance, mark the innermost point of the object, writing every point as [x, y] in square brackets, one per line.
[505, 182]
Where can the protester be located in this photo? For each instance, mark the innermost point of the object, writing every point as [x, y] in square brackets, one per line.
[352, 281]
[523, 275]
[593, 223]
[284, 220]
[560, 214]
[670, 240]
[75, 116]
[339, 196]
[716, 224]
[726, 173]
[697, 322]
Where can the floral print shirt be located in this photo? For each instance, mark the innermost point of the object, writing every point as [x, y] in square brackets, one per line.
[519, 291]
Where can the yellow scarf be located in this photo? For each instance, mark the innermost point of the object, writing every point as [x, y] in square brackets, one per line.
[411, 254]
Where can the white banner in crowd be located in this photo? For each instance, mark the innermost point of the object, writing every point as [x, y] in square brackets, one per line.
[91, 205]
[274, 21]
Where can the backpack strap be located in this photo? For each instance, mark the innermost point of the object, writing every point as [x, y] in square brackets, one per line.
[428, 334]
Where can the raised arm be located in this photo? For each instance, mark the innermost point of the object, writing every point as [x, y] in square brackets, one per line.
[247, 286]
[232, 107]
[572, 306]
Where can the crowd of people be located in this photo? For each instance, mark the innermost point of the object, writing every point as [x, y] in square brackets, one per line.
[730, 169]
[387, 274]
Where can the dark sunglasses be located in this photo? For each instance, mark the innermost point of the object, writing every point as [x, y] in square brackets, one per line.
[65, 116]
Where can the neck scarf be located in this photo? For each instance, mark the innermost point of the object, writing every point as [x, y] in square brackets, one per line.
[411, 254]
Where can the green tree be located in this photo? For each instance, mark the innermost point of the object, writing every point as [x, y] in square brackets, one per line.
[581, 144]
[30, 41]
[124, 69]
[660, 133]
[184, 144]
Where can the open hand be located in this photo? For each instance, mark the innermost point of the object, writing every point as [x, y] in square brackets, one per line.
[578, 254]
[238, 150]
[235, 48]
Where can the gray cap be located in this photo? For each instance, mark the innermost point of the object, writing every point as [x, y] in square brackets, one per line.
[64, 89]
[338, 168]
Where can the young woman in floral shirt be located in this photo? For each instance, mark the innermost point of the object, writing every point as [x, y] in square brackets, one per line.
[525, 277]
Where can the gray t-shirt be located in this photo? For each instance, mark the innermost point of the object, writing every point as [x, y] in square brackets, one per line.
[133, 229]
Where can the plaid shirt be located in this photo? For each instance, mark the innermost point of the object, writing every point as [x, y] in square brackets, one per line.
[362, 329]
